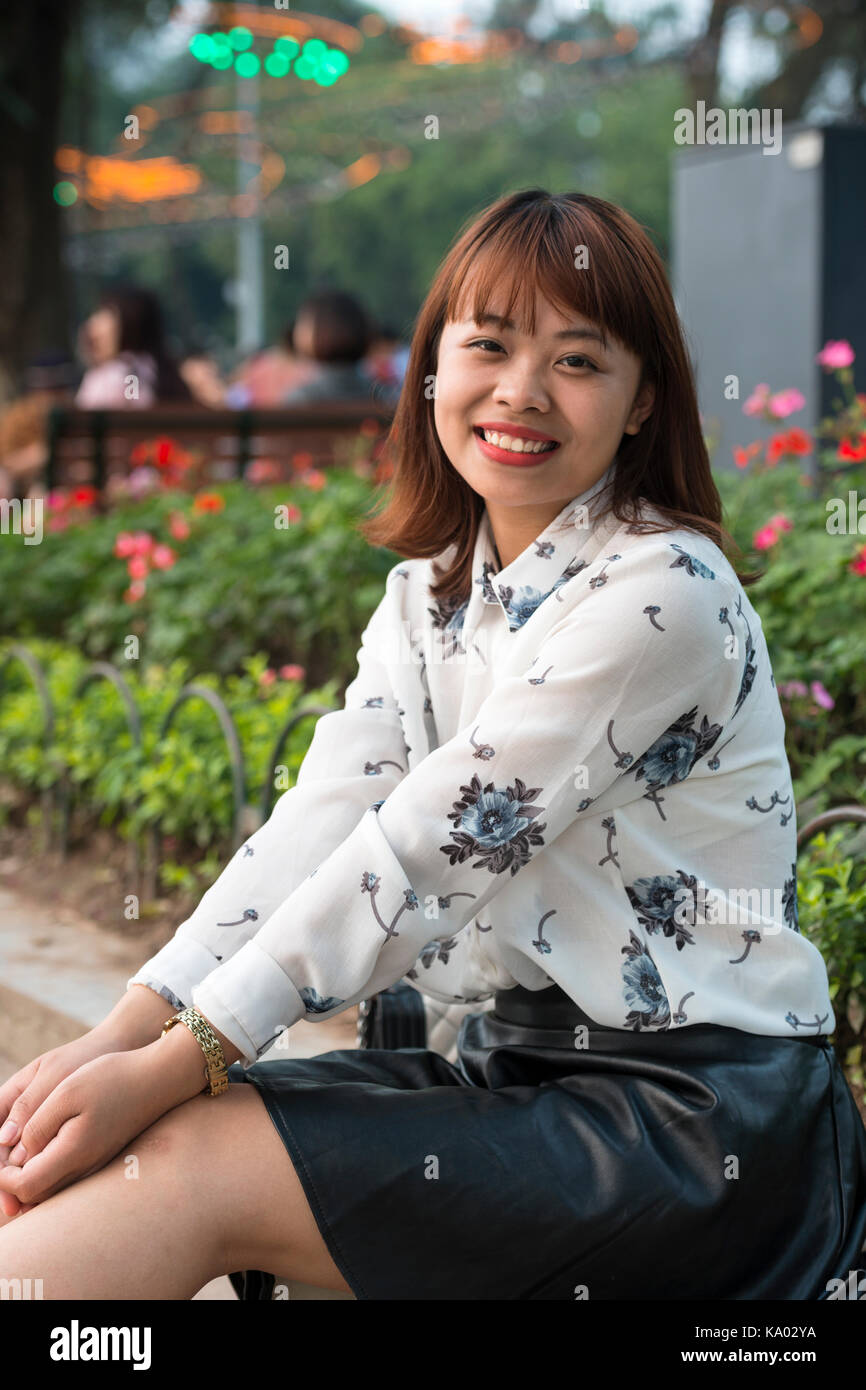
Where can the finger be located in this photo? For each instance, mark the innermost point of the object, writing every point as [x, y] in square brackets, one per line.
[9, 1205]
[59, 1163]
[18, 1098]
[10, 1093]
[46, 1121]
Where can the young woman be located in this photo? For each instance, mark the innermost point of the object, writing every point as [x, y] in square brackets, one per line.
[124, 339]
[559, 781]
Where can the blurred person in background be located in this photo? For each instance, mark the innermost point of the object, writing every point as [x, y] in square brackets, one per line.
[333, 331]
[200, 370]
[386, 361]
[124, 338]
[265, 379]
[48, 381]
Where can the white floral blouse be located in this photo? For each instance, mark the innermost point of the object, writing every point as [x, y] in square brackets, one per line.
[576, 776]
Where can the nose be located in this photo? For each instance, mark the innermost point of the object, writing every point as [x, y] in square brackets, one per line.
[521, 386]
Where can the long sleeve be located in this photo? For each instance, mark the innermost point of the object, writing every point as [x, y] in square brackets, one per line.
[357, 754]
[643, 652]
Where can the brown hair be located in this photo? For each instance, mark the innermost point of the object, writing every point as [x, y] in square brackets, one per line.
[525, 242]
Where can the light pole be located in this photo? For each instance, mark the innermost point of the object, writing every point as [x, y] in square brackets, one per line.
[249, 316]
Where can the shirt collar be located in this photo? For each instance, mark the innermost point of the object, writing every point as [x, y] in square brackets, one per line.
[548, 562]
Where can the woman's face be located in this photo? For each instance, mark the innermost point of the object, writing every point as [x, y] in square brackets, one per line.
[102, 335]
[559, 383]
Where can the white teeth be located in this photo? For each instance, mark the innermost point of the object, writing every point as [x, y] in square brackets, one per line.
[517, 446]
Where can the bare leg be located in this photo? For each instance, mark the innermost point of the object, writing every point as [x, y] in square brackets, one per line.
[214, 1191]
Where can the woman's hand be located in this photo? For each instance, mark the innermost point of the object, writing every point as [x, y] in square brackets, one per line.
[89, 1117]
[81, 1125]
[25, 1092]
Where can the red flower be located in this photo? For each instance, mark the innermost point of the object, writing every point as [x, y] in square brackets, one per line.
[83, 496]
[163, 451]
[855, 453]
[292, 673]
[137, 567]
[794, 441]
[742, 455]
[315, 479]
[179, 526]
[208, 502]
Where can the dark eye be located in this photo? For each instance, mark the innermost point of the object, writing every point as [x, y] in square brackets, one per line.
[484, 343]
[576, 357]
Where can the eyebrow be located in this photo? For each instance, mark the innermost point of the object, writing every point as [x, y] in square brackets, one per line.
[582, 333]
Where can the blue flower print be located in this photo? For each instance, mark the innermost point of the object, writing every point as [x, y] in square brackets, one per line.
[520, 604]
[643, 989]
[448, 616]
[314, 1002]
[675, 753]
[495, 824]
[692, 565]
[656, 900]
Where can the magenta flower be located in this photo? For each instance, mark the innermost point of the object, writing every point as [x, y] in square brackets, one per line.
[784, 403]
[821, 696]
[780, 522]
[835, 354]
[763, 539]
[791, 688]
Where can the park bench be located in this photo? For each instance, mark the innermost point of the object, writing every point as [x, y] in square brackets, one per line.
[88, 447]
[402, 1017]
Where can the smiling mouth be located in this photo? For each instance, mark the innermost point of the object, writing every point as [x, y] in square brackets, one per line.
[513, 444]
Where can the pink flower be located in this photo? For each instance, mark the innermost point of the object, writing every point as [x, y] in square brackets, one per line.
[163, 557]
[268, 677]
[756, 403]
[790, 688]
[858, 566]
[135, 591]
[780, 522]
[314, 478]
[293, 513]
[263, 471]
[58, 523]
[142, 481]
[292, 673]
[137, 567]
[835, 354]
[763, 539]
[785, 403]
[179, 526]
[56, 501]
[821, 695]
[124, 545]
[142, 543]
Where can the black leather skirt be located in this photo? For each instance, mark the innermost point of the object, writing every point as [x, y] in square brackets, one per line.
[559, 1159]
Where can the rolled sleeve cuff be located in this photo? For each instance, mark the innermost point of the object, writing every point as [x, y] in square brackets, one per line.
[177, 968]
[250, 1000]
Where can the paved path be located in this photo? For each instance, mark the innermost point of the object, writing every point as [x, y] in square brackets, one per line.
[60, 975]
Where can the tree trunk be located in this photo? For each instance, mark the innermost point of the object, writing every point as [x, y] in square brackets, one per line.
[32, 299]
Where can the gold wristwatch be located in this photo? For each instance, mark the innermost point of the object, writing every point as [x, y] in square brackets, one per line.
[215, 1073]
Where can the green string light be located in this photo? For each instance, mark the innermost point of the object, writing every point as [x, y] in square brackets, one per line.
[315, 62]
[65, 193]
[247, 65]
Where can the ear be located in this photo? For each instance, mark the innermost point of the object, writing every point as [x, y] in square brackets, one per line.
[641, 407]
